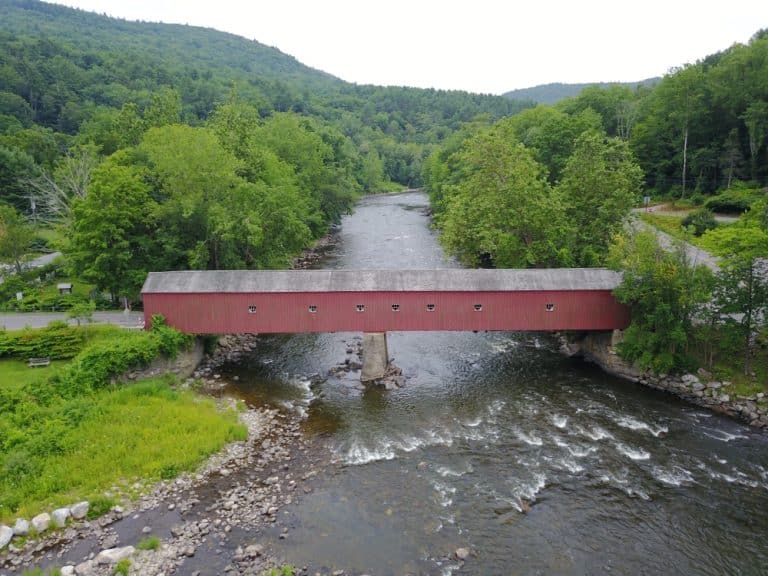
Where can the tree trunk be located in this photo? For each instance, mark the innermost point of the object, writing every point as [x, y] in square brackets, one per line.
[748, 320]
[685, 158]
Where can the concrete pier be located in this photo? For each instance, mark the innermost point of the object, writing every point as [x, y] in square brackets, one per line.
[375, 356]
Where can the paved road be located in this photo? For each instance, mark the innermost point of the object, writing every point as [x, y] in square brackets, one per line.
[696, 255]
[39, 262]
[666, 210]
[42, 319]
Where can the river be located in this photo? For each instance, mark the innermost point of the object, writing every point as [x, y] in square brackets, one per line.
[536, 463]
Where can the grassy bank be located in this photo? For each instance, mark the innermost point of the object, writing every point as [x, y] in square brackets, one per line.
[67, 433]
[671, 225]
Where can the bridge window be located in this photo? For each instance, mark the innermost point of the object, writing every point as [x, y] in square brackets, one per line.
[312, 308]
[478, 307]
[430, 307]
[550, 307]
[251, 309]
[395, 307]
[360, 307]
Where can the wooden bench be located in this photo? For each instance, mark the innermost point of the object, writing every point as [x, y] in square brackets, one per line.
[36, 362]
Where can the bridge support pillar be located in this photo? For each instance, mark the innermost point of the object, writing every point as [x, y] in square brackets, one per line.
[375, 356]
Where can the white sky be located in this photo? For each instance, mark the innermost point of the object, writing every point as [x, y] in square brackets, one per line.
[479, 45]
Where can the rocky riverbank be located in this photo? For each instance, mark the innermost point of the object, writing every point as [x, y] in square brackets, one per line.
[700, 389]
[213, 519]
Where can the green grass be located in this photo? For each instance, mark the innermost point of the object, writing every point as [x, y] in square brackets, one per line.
[285, 570]
[40, 572]
[145, 431]
[79, 288]
[54, 236]
[671, 225]
[15, 374]
[123, 567]
[149, 543]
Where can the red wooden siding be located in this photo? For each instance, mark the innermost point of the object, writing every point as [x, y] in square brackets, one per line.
[228, 313]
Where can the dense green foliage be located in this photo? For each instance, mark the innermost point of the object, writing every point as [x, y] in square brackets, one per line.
[700, 221]
[742, 294]
[56, 341]
[15, 236]
[492, 193]
[665, 292]
[65, 450]
[60, 425]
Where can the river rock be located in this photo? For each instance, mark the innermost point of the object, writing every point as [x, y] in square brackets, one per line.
[698, 386]
[6, 533]
[21, 527]
[462, 553]
[254, 550]
[114, 555]
[689, 378]
[41, 522]
[67, 571]
[59, 517]
[724, 398]
[79, 510]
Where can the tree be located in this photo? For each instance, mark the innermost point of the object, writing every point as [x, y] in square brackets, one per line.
[82, 312]
[15, 236]
[743, 278]
[16, 169]
[665, 291]
[551, 134]
[111, 237]
[56, 192]
[165, 109]
[194, 180]
[502, 211]
[756, 120]
[600, 184]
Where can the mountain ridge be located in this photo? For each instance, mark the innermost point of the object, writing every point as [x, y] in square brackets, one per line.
[553, 92]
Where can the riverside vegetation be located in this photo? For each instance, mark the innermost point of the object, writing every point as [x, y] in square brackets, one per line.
[68, 433]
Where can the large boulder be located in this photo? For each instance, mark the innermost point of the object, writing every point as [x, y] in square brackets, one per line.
[41, 522]
[114, 555]
[60, 516]
[21, 528]
[6, 533]
[79, 510]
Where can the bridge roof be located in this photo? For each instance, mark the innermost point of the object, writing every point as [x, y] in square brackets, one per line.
[443, 280]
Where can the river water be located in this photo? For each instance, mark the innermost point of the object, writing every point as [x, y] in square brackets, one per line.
[536, 463]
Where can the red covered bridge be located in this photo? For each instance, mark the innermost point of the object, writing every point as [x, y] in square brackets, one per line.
[258, 301]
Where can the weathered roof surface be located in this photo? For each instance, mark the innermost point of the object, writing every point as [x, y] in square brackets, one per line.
[446, 280]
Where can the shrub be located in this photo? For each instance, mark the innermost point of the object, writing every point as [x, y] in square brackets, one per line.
[100, 505]
[95, 367]
[701, 221]
[170, 340]
[735, 200]
[56, 341]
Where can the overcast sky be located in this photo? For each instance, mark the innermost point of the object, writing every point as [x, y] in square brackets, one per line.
[476, 45]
